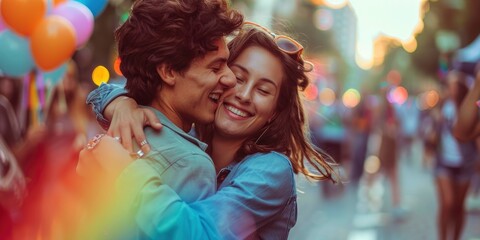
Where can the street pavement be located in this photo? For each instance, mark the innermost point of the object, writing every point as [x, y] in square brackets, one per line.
[346, 212]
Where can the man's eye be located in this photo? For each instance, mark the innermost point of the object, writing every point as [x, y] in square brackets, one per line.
[239, 80]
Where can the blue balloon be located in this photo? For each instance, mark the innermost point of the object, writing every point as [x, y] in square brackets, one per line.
[56, 75]
[96, 6]
[15, 56]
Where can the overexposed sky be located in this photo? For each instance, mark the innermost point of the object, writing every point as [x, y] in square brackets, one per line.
[397, 19]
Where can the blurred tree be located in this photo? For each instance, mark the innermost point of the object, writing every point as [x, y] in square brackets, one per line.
[454, 16]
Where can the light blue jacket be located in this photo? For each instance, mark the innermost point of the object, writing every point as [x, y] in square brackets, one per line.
[256, 197]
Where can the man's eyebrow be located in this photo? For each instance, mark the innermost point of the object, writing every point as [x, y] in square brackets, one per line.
[219, 60]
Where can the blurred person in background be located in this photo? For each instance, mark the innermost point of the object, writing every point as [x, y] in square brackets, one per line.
[409, 116]
[429, 131]
[12, 180]
[455, 162]
[327, 134]
[10, 128]
[49, 164]
[361, 125]
[388, 124]
[467, 126]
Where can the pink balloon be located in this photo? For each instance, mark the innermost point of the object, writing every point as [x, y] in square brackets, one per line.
[2, 24]
[79, 16]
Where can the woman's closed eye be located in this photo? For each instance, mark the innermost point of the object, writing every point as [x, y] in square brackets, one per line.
[264, 91]
[240, 80]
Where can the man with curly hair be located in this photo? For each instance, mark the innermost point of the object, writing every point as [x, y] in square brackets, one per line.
[174, 56]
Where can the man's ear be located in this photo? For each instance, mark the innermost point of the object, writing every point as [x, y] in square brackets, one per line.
[167, 74]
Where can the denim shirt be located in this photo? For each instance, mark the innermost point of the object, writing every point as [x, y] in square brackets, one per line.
[256, 200]
[256, 197]
[100, 97]
[176, 159]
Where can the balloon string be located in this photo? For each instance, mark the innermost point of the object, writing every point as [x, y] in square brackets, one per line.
[22, 114]
[41, 89]
[32, 103]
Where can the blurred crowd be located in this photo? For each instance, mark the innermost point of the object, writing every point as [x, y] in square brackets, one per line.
[371, 139]
[41, 197]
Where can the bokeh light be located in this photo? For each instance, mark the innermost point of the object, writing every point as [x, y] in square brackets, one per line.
[398, 95]
[335, 4]
[100, 75]
[326, 96]
[323, 19]
[351, 98]
[372, 164]
[432, 98]
[116, 67]
[410, 46]
[394, 77]
[311, 92]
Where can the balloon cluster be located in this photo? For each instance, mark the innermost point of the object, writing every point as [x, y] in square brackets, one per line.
[44, 34]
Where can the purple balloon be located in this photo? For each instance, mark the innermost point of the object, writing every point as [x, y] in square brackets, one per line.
[79, 16]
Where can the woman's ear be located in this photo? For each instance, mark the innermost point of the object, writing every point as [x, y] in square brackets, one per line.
[167, 74]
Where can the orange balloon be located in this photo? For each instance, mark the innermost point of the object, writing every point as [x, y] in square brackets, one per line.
[52, 42]
[116, 67]
[57, 2]
[23, 15]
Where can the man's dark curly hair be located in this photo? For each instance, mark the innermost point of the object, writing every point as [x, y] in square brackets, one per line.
[171, 32]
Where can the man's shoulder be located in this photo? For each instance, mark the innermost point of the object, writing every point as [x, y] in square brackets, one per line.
[171, 144]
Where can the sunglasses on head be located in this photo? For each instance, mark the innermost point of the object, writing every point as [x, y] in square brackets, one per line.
[285, 43]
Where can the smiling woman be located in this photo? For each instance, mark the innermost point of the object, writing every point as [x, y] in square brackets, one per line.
[253, 103]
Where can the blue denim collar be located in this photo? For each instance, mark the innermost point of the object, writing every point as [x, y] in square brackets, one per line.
[169, 124]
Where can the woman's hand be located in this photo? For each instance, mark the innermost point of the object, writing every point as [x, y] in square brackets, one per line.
[128, 121]
[104, 158]
[100, 164]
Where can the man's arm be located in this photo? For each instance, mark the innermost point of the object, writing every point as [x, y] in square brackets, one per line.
[128, 191]
[158, 211]
[121, 115]
[101, 97]
[467, 126]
